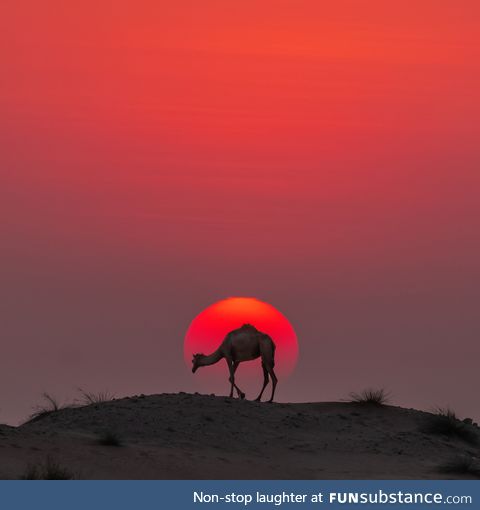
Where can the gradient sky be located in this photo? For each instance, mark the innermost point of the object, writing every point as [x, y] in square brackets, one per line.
[158, 156]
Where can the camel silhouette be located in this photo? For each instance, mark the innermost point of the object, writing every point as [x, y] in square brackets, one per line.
[243, 344]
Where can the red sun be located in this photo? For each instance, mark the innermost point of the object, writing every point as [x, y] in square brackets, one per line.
[208, 329]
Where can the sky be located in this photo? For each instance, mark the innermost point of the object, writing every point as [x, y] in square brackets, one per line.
[156, 157]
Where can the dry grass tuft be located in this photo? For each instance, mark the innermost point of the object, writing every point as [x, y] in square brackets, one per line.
[89, 397]
[110, 438]
[51, 405]
[446, 423]
[369, 396]
[50, 470]
[461, 465]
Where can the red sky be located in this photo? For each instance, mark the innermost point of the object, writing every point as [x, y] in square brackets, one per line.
[156, 157]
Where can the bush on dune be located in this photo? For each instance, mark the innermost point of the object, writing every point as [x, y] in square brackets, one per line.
[377, 397]
[89, 397]
[110, 438]
[446, 423]
[50, 470]
[51, 405]
[461, 465]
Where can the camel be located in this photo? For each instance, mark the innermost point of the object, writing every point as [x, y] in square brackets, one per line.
[243, 344]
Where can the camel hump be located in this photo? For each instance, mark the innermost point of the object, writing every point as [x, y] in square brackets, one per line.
[248, 326]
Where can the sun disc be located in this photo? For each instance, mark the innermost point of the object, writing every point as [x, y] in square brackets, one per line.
[209, 328]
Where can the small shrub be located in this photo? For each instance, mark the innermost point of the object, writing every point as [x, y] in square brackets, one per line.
[110, 438]
[370, 396]
[445, 422]
[51, 470]
[89, 398]
[461, 465]
[31, 473]
[51, 406]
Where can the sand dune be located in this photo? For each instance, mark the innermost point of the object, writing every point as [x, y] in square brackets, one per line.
[207, 437]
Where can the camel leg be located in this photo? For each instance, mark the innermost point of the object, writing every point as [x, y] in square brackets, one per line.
[232, 375]
[239, 391]
[274, 382]
[265, 382]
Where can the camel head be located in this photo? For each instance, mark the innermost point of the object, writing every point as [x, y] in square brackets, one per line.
[196, 361]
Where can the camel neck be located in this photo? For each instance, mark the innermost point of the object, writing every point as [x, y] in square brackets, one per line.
[212, 358]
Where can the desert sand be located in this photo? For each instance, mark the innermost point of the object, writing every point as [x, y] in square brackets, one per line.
[184, 436]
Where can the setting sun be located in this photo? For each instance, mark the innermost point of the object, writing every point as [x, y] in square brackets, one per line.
[209, 328]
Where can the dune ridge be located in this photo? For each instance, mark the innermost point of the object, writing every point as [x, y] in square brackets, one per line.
[185, 436]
